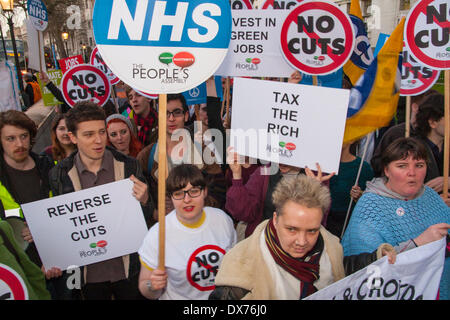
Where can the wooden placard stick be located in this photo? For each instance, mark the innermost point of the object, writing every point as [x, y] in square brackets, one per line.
[223, 100]
[447, 130]
[114, 97]
[39, 49]
[162, 168]
[408, 117]
[227, 113]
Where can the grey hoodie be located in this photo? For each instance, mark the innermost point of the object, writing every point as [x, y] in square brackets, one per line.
[378, 186]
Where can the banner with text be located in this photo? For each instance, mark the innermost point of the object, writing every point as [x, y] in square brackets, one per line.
[297, 125]
[87, 226]
[254, 49]
[414, 276]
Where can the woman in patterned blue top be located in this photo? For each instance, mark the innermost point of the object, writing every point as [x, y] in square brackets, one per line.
[398, 209]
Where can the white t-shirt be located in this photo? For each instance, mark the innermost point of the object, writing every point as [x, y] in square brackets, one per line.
[193, 255]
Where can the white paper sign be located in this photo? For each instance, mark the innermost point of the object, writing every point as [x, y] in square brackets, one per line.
[87, 226]
[33, 48]
[254, 49]
[289, 123]
[414, 276]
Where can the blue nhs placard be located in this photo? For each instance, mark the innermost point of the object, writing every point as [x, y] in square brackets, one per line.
[37, 11]
[162, 46]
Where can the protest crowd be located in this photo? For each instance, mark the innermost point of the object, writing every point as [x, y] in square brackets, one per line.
[236, 227]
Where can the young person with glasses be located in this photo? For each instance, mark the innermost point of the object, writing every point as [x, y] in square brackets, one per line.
[180, 149]
[197, 237]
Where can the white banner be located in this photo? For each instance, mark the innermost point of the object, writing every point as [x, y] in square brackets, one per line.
[289, 123]
[414, 276]
[33, 48]
[254, 49]
[87, 226]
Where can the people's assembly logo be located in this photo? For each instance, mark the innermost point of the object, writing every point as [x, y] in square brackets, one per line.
[203, 265]
[250, 64]
[12, 286]
[283, 149]
[95, 249]
[182, 59]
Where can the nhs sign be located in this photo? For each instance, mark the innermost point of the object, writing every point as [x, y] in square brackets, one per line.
[162, 46]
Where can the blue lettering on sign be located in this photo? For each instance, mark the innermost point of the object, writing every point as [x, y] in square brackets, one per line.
[37, 9]
[193, 23]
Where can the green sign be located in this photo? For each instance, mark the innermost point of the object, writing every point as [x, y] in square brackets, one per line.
[49, 99]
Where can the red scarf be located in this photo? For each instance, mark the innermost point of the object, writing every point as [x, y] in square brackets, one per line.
[305, 269]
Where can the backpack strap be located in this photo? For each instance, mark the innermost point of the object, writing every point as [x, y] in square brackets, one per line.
[151, 158]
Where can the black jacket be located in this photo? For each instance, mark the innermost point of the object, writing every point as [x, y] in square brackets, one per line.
[60, 183]
[43, 166]
[58, 95]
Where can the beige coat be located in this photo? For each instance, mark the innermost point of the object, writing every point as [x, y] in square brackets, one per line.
[244, 267]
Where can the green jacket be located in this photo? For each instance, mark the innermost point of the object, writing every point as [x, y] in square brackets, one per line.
[13, 256]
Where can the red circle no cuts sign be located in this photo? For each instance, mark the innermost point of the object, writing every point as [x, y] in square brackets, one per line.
[12, 286]
[427, 33]
[203, 265]
[317, 37]
[85, 83]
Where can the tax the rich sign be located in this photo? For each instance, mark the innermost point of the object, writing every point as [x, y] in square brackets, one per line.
[296, 124]
[162, 46]
[87, 226]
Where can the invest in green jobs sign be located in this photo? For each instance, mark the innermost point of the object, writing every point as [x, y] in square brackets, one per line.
[49, 99]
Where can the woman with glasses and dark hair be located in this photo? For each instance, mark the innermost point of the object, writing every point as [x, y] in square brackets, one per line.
[197, 237]
[399, 209]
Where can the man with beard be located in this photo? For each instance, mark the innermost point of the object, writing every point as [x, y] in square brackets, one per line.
[23, 177]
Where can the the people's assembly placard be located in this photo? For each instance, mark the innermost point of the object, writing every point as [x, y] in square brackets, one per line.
[87, 226]
[296, 124]
[162, 46]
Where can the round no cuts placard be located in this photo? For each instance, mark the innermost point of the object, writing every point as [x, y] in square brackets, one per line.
[317, 37]
[280, 4]
[85, 83]
[162, 46]
[97, 61]
[416, 78]
[240, 4]
[12, 286]
[427, 33]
